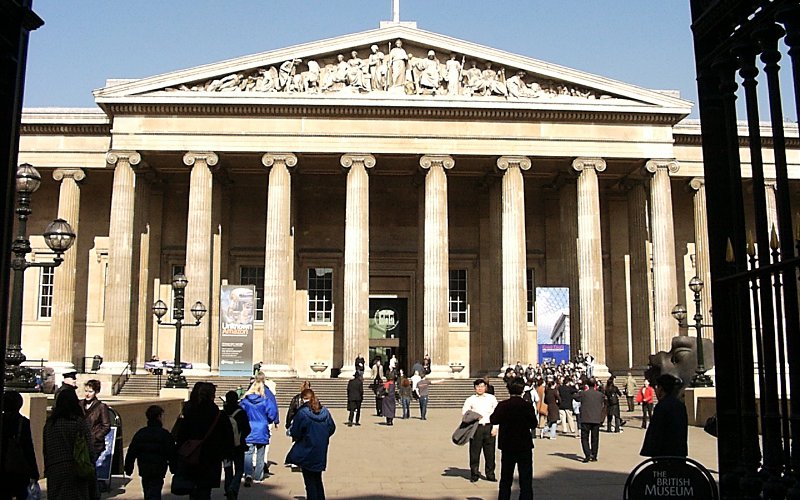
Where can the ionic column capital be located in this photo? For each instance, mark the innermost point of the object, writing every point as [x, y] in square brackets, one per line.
[581, 164]
[270, 159]
[366, 159]
[209, 157]
[77, 174]
[445, 161]
[697, 183]
[653, 165]
[521, 162]
[131, 157]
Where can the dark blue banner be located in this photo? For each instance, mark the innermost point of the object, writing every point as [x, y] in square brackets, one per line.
[553, 353]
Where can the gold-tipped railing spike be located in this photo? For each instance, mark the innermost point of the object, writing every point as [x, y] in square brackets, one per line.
[729, 256]
[773, 239]
[751, 245]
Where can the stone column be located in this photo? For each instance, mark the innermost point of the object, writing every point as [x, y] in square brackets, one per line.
[195, 343]
[515, 296]
[62, 325]
[437, 264]
[117, 312]
[356, 261]
[278, 297]
[568, 219]
[665, 281]
[640, 272]
[702, 264]
[770, 187]
[590, 262]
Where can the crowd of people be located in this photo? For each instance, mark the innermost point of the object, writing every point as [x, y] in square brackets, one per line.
[207, 443]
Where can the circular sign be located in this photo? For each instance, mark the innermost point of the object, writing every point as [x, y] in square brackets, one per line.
[670, 477]
[386, 319]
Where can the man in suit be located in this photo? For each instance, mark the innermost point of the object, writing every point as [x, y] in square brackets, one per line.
[591, 401]
[517, 420]
[355, 396]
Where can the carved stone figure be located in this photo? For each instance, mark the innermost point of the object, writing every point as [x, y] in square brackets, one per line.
[428, 73]
[228, 82]
[398, 59]
[472, 79]
[491, 83]
[356, 72]
[286, 75]
[311, 78]
[453, 75]
[517, 87]
[377, 70]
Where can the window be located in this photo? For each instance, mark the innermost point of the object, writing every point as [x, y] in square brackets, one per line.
[457, 301]
[254, 276]
[531, 300]
[320, 295]
[46, 292]
[175, 270]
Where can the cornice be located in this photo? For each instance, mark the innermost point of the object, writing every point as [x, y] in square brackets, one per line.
[393, 112]
[103, 129]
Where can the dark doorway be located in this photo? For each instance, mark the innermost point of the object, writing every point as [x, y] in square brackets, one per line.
[388, 331]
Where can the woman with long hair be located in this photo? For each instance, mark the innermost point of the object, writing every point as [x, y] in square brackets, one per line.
[202, 420]
[389, 400]
[64, 426]
[311, 430]
[405, 396]
[262, 412]
[296, 403]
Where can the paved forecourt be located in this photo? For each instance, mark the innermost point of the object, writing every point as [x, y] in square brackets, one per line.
[415, 459]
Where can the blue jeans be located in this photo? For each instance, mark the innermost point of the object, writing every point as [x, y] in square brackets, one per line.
[423, 406]
[406, 402]
[233, 473]
[260, 450]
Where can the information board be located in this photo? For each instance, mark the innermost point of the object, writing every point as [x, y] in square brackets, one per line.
[237, 312]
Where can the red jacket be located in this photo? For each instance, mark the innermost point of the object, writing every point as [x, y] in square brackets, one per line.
[645, 395]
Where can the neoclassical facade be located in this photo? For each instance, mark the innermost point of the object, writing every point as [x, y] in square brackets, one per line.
[394, 191]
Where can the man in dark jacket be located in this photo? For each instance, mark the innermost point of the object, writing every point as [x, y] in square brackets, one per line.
[234, 469]
[17, 459]
[154, 449]
[355, 396]
[591, 401]
[517, 419]
[669, 427]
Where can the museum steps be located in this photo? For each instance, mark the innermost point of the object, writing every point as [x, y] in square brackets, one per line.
[331, 391]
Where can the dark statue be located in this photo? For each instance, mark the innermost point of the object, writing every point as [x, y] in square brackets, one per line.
[680, 360]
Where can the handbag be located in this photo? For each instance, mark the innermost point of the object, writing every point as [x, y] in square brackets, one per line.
[34, 491]
[191, 449]
[84, 468]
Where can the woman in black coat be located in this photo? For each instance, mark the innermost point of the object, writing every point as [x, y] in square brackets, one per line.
[16, 429]
[612, 398]
[201, 419]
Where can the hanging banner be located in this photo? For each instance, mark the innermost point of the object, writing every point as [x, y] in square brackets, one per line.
[553, 353]
[237, 312]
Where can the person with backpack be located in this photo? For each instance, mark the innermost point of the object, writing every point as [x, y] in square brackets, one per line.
[262, 411]
[154, 449]
[234, 469]
[65, 435]
[17, 458]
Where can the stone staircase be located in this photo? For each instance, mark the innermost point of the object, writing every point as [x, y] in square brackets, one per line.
[331, 391]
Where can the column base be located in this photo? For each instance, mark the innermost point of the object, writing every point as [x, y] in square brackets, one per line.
[440, 371]
[279, 371]
[347, 372]
[600, 371]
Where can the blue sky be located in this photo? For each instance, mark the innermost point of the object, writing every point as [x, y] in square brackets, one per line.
[642, 42]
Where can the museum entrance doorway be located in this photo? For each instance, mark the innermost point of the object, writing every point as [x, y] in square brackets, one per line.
[388, 331]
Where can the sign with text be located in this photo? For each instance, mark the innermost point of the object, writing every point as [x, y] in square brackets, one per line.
[670, 477]
[553, 353]
[237, 312]
[103, 463]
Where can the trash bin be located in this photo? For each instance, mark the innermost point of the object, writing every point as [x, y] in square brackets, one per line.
[117, 463]
[97, 360]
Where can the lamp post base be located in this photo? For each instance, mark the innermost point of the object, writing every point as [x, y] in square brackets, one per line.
[701, 380]
[21, 379]
[176, 381]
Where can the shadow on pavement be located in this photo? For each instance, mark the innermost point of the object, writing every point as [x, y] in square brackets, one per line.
[456, 472]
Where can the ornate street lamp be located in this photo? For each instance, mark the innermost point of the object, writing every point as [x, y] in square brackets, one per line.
[198, 310]
[59, 236]
[700, 379]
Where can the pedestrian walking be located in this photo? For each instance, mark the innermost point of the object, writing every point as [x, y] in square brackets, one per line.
[484, 437]
[389, 403]
[204, 438]
[552, 400]
[405, 397]
[612, 409]
[152, 449]
[516, 420]
[295, 404]
[630, 390]
[566, 391]
[377, 383]
[360, 364]
[17, 458]
[645, 397]
[423, 386]
[668, 432]
[262, 412]
[311, 431]
[240, 424]
[591, 401]
[355, 396]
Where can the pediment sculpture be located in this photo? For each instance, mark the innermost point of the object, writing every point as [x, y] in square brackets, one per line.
[396, 72]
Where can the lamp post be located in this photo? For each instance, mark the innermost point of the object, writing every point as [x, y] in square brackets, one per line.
[59, 236]
[700, 379]
[179, 282]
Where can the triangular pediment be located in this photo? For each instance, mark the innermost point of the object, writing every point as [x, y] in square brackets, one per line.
[362, 67]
